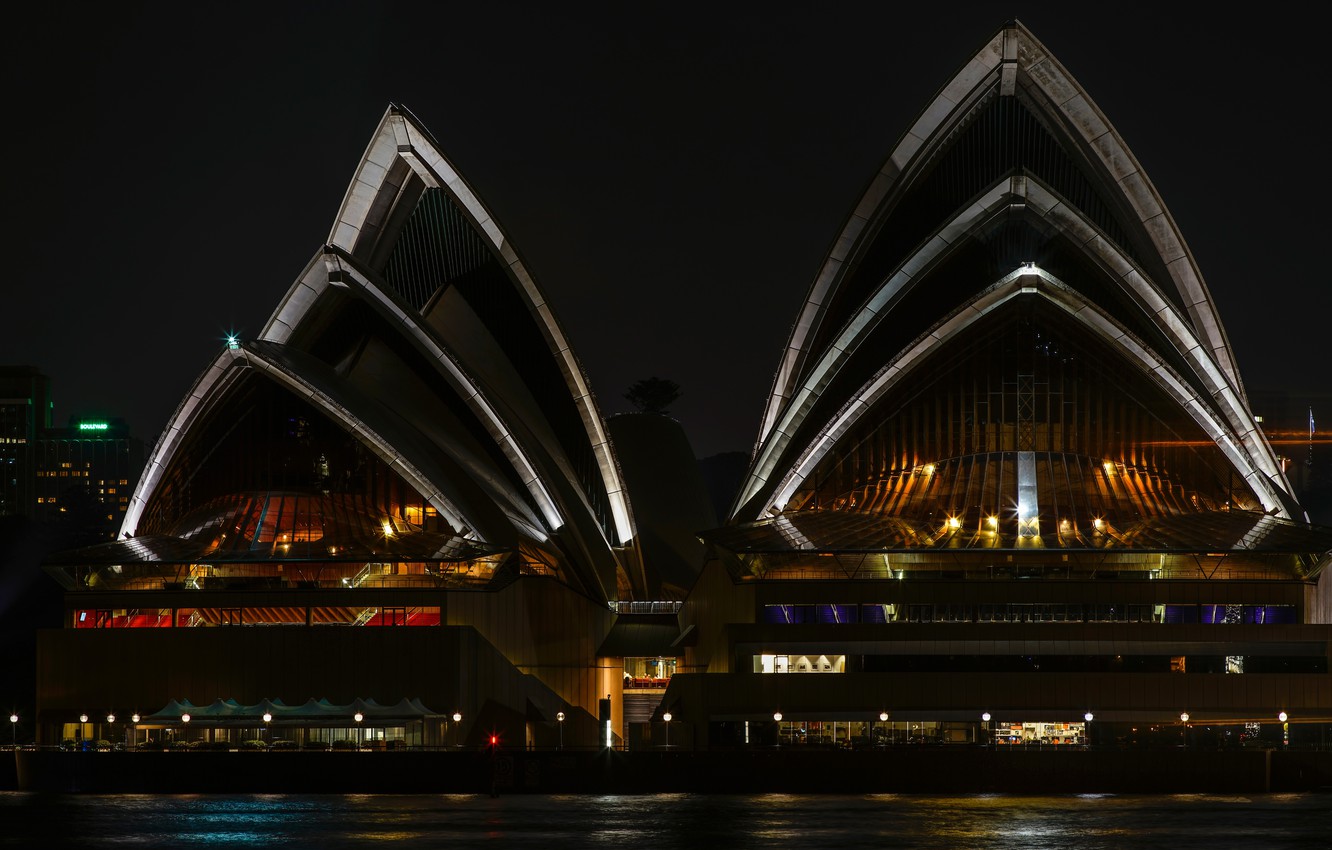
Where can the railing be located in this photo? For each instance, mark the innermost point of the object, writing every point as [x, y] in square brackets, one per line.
[645, 682]
[633, 607]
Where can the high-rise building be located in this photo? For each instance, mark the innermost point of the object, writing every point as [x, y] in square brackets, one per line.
[25, 413]
[79, 477]
[85, 474]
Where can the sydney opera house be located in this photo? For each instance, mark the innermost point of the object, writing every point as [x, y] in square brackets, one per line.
[1006, 488]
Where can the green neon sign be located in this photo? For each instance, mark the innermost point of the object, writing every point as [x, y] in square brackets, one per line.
[92, 426]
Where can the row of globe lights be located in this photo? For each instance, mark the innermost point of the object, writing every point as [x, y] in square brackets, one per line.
[1282, 717]
[457, 717]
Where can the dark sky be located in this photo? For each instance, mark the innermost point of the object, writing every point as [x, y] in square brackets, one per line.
[672, 174]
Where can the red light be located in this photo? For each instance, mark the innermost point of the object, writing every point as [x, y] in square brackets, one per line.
[494, 739]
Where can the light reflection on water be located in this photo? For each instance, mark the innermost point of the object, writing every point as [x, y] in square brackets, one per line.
[666, 821]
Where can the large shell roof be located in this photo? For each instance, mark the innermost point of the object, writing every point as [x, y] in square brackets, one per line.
[1011, 148]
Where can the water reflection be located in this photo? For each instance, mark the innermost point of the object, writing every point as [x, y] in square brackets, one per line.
[689, 822]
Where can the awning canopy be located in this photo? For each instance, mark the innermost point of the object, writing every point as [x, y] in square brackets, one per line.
[313, 712]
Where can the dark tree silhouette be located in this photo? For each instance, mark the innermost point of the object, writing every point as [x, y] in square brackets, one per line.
[653, 395]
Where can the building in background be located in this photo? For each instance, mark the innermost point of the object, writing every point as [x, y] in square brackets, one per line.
[1290, 420]
[25, 414]
[78, 478]
[85, 474]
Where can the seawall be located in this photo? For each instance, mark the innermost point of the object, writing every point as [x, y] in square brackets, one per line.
[923, 770]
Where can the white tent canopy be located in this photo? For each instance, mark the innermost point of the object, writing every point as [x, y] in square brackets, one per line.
[313, 712]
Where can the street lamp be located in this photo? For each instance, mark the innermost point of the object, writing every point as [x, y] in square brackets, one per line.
[457, 718]
[559, 718]
[667, 718]
[358, 717]
[883, 718]
[989, 731]
[13, 729]
[83, 721]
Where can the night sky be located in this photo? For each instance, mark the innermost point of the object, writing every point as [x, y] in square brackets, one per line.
[673, 175]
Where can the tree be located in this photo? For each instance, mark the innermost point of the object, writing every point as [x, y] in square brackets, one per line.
[653, 395]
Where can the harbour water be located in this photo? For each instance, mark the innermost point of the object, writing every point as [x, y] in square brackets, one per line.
[667, 821]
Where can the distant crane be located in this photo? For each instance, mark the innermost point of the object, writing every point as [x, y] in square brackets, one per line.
[1309, 461]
